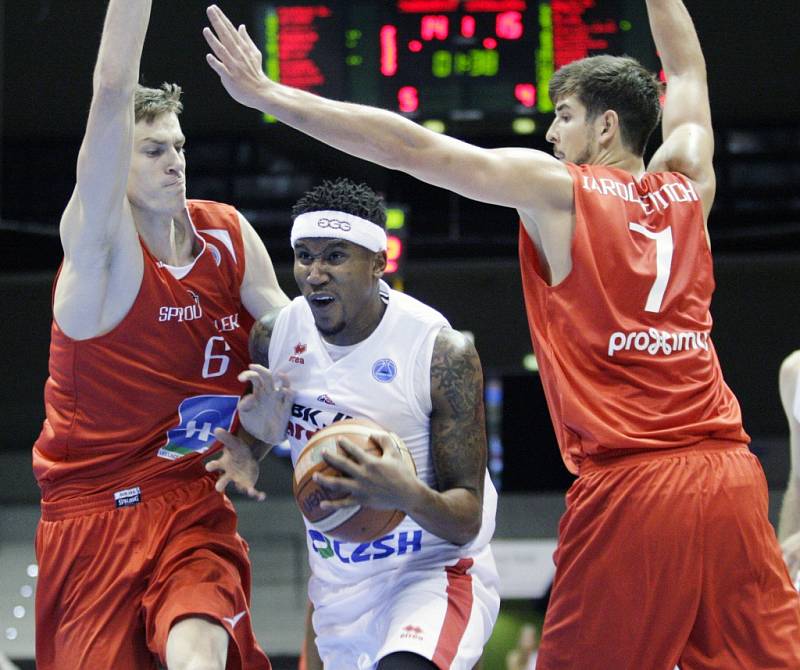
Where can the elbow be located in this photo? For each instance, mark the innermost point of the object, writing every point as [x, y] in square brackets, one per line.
[467, 535]
[469, 527]
[110, 81]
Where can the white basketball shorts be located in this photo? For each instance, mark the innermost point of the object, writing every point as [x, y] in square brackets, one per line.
[444, 613]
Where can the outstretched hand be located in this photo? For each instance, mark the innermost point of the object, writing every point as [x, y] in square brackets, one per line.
[236, 466]
[236, 59]
[265, 412]
[379, 482]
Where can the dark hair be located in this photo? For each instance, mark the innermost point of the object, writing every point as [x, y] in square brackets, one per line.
[619, 83]
[152, 102]
[343, 195]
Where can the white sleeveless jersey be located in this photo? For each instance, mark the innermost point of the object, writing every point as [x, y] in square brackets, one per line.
[385, 378]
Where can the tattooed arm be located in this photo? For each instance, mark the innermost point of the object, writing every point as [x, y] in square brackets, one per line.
[260, 337]
[458, 438]
[454, 509]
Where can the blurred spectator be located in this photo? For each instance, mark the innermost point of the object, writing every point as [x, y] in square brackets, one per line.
[523, 656]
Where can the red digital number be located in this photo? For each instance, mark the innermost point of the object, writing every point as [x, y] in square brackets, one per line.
[394, 251]
[508, 25]
[434, 26]
[408, 99]
[388, 51]
[467, 26]
[526, 94]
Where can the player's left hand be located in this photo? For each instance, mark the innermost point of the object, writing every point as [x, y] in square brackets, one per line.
[265, 412]
[379, 482]
[791, 552]
[236, 466]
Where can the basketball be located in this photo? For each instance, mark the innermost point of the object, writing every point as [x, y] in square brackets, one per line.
[352, 524]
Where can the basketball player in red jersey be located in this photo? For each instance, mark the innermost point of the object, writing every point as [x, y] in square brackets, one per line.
[665, 552]
[789, 524]
[140, 564]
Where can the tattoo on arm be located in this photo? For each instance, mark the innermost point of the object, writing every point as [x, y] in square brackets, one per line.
[458, 432]
[260, 337]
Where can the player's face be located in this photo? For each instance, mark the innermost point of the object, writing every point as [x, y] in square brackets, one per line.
[572, 136]
[338, 279]
[157, 177]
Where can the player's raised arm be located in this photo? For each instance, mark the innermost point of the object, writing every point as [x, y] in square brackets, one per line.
[97, 228]
[513, 177]
[688, 145]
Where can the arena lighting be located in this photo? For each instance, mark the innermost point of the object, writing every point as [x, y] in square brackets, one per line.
[530, 363]
[396, 235]
[435, 125]
[523, 126]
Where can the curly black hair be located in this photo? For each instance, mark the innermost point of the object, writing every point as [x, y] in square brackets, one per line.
[343, 195]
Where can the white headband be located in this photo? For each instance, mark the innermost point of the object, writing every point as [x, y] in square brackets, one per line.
[341, 225]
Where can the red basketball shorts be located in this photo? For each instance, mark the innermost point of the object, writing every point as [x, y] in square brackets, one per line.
[113, 581]
[670, 559]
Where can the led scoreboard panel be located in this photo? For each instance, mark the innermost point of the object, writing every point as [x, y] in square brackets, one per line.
[458, 61]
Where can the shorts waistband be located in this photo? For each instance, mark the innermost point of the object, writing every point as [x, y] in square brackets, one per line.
[131, 494]
[622, 458]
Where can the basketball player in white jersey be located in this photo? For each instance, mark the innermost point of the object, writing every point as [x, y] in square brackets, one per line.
[789, 524]
[425, 595]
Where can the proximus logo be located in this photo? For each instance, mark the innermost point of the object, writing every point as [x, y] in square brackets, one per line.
[655, 342]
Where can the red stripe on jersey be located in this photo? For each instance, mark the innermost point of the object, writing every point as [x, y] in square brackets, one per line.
[459, 607]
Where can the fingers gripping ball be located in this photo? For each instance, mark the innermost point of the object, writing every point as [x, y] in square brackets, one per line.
[350, 524]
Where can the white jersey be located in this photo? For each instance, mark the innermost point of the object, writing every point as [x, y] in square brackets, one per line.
[385, 378]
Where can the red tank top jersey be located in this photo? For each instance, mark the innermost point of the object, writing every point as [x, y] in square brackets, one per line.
[144, 399]
[623, 342]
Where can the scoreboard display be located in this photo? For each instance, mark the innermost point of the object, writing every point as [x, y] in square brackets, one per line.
[449, 62]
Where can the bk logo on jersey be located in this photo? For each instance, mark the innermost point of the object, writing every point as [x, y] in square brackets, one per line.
[198, 417]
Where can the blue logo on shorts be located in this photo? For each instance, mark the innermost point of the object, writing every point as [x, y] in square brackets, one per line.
[384, 370]
[199, 416]
[396, 544]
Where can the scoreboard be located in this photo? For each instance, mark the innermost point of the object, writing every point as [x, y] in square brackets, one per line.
[458, 63]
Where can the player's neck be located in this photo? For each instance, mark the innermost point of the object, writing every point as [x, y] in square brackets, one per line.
[621, 160]
[169, 239]
[365, 323]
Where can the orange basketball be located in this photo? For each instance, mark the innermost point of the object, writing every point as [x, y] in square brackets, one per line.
[352, 524]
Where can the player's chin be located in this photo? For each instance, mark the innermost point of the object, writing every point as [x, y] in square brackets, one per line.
[328, 324]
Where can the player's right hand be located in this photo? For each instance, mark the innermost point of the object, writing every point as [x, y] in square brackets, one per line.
[236, 59]
[265, 412]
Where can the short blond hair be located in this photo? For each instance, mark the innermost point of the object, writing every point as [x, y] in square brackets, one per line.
[152, 102]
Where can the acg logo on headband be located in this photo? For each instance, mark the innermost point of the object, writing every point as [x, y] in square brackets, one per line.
[333, 224]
